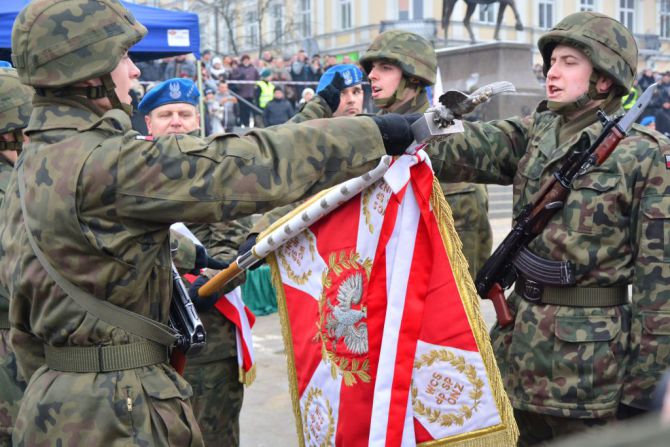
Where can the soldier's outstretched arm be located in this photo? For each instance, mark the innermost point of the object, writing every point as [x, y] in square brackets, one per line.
[183, 178]
[483, 153]
[311, 110]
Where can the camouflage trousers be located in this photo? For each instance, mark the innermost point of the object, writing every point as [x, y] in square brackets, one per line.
[217, 400]
[143, 407]
[470, 212]
[11, 389]
[539, 429]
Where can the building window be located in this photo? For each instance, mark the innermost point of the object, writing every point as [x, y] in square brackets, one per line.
[251, 21]
[345, 14]
[488, 13]
[278, 21]
[627, 13]
[306, 18]
[587, 5]
[665, 19]
[546, 10]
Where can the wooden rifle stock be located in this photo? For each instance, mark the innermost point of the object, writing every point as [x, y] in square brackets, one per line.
[503, 314]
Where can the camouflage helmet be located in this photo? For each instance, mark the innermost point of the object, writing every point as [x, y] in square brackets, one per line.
[412, 53]
[56, 43]
[606, 42]
[15, 102]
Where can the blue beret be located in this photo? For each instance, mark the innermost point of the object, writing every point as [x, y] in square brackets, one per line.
[647, 120]
[352, 76]
[5, 64]
[169, 92]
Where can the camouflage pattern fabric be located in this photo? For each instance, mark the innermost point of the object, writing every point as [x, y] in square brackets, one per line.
[214, 373]
[100, 202]
[568, 361]
[11, 385]
[469, 204]
[15, 105]
[183, 252]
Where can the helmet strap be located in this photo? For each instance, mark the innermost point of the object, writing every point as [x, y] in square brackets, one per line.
[106, 90]
[16, 145]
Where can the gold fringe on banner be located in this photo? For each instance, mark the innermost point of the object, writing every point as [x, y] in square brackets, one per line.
[248, 377]
[288, 343]
[507, 433]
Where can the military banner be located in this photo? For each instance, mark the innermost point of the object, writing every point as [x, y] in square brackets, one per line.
[384, 339]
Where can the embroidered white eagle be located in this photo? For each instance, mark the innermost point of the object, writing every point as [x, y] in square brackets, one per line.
[343, 321]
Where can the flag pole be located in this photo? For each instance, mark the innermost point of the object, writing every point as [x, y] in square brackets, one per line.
[287, 228]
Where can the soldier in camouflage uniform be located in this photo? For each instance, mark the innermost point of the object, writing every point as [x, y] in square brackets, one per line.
[15, 108]
[578, 351]
[400, 65]
[98, 201]
[170, 107]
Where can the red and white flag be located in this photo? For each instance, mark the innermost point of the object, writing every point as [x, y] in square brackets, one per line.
[385, 342]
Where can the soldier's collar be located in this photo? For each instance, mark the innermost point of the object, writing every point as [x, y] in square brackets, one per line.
[70, 113]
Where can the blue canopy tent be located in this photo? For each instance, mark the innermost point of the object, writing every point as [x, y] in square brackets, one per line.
[170, 32]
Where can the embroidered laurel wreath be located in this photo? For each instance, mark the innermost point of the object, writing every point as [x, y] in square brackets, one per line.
[311, 395]
[434, 415]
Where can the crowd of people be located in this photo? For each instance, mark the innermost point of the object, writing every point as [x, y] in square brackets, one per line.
[246, 91]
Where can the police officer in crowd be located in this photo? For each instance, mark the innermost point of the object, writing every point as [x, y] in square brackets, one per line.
[579, 353]
[87, 218]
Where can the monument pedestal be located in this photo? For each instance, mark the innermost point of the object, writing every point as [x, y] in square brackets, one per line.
[469, 67]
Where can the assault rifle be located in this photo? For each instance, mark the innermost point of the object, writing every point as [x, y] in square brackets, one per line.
[185, 321]
[498, 272]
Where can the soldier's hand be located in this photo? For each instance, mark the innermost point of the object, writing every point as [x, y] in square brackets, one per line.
[331, 93]
[396, 131]
[248, 245]
[203, 260]
[205, 302]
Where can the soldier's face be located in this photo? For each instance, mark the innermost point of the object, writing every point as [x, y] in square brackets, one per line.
[172, 119]
[568, 76]
[123, 75]
[351, 102]
[384, 79]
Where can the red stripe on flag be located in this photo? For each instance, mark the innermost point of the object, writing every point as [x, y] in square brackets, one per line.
[417, 286]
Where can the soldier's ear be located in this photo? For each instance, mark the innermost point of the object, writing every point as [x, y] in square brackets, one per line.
[604, 84]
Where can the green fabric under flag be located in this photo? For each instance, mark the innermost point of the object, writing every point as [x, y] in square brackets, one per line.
[258, 293]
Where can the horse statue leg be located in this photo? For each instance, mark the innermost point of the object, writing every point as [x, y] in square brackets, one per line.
[466, 20]
[447, 9]
[518, 26]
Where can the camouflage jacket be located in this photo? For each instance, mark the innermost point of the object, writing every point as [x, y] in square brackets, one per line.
[580, 361]
[6, 169]
[100, 200]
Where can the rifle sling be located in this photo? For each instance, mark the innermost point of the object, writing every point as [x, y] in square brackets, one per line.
[111, 314]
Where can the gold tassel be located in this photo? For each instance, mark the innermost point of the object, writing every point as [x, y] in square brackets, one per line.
[248, 377]
[493, 436]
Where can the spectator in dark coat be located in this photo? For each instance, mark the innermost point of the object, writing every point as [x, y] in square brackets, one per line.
[278, 110]
[245, 72]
